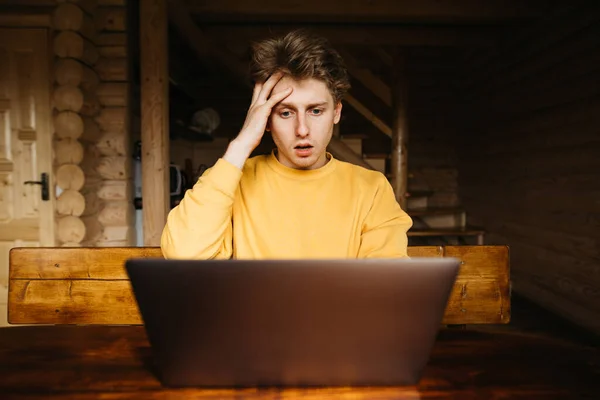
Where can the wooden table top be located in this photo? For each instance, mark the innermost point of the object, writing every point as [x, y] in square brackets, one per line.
[77, 362]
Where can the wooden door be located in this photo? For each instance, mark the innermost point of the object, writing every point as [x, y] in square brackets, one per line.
[25, 146]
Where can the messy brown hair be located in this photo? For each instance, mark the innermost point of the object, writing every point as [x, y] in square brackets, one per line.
[301, 55]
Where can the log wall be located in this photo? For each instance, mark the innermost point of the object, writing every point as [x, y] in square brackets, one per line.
[92, 136]
[530, 161]
[74, 101]
[113, 144]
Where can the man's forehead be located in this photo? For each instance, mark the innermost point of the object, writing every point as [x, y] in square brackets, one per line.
[305, 90]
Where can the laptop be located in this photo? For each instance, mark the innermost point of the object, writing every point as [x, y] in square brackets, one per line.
[279, 323]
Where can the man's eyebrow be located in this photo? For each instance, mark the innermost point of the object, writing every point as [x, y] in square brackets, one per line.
[290, 105]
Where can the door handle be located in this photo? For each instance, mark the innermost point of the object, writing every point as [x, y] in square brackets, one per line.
[43, 182]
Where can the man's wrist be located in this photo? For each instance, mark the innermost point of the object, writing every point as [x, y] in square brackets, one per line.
[237, 153]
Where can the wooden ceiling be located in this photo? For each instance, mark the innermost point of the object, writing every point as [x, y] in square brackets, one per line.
[367, 11]
[210, 44]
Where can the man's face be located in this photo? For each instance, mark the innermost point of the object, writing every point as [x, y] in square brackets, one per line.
[302, 124]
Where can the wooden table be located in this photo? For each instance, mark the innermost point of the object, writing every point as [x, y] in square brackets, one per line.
[76, 362]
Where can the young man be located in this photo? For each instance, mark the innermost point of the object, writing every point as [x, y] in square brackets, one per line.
[297, 202]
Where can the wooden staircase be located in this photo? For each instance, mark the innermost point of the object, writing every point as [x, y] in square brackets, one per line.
[437, 220]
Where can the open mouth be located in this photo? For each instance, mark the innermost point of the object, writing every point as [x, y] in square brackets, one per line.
[303, 147]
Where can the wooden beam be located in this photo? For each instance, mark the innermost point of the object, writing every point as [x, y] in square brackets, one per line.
[390, 11]
[367, 78]
[342, 151]
[154, 118]
[30, 20]
[400, 133]
[91, 286]
[368, 114]
[362, 34]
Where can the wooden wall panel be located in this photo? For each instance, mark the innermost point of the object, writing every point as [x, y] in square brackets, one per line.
[530, 162]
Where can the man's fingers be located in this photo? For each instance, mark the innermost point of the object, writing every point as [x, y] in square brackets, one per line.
[268, 86]
[277, 97]
[257, 88]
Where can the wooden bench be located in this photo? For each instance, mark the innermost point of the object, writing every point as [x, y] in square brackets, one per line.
[90, 285]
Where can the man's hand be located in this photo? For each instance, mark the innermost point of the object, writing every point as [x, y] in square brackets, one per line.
[256, 120]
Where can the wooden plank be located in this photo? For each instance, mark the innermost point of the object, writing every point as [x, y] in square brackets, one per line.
[558, 303]
[574, 251]
[362, 34]
[342, 151]
[562, 220]
[531, 42]
[23, 229]
[368, 114]
[490, 262]
[583, 45]
[445, 232]
[104, 263]
[366, 11]
[90, 285]
[73, 301]
[367, 78]
[29, 20]
[154, 117]
[76, 263]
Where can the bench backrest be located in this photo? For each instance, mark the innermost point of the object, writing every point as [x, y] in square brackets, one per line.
[91, 286]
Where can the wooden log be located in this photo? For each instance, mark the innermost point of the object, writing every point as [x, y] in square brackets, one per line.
[113, 51]
[69, 71]
[111, 19]
[114, 167]
[116, 213]
[115, 190]
[112, 2]
[70, 17]
[91, 130]
[93, 229]
[112, 69]
[91, 104]
[70, 202]
[155, 116]
[68, 124]
[112, 119]
[399, 165]
[93, 204]
[116, 233]
[114, 243]
[113, 94]
[89, 6]
[69, 44]
[89, 165]
[111, 39]
[72, 98]
[68, 151]
[68, 98]
[113, 144]
[70, 229]
[71, 244]
[70, 176]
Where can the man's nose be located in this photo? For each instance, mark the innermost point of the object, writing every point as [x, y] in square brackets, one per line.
[302, 127]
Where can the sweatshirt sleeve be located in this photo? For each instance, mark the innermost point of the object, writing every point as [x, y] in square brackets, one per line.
[200, 226]
[385, 226]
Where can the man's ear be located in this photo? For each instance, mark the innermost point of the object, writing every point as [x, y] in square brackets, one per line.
[337, 112]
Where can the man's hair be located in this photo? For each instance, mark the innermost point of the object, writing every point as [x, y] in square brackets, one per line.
[301, 55]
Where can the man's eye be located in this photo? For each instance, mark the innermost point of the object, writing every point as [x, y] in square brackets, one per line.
[316, 111]
[285, 114]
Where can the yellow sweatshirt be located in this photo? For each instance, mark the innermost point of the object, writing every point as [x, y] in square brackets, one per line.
[268, 210]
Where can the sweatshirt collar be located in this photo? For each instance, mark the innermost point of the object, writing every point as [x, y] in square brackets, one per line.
[308, 174]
